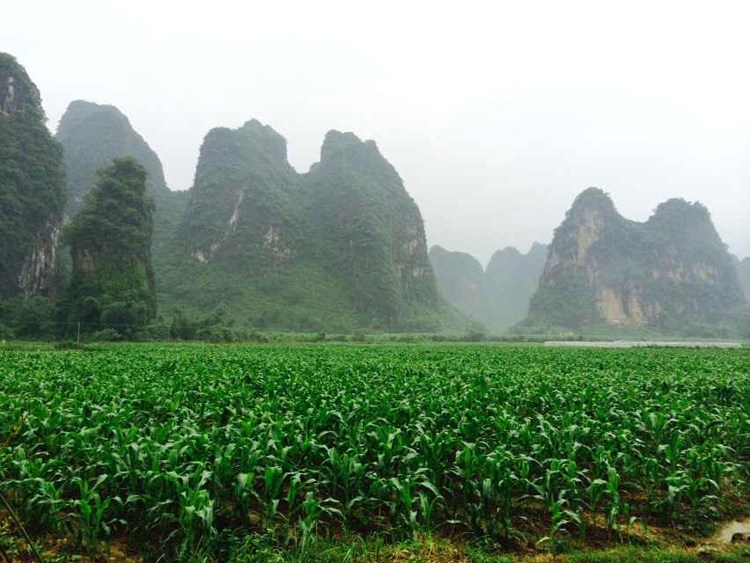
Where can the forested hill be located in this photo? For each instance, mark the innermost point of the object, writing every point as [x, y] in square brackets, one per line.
[498, 297]
[340, 247]
[672, 273]
[32, 188]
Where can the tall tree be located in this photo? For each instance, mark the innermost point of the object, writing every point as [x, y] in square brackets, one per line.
[112, 283]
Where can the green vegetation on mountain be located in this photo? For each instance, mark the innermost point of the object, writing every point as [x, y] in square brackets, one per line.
[32, 188]
[499, 297]
[368, 231]
[338, 248]
[112, 283]
[672, 272]
[92, 135]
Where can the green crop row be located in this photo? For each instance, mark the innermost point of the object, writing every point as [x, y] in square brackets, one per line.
[186, 444]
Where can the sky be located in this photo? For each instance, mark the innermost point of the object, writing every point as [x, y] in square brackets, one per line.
[495, 114]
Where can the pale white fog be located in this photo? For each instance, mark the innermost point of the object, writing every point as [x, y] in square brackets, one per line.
[495, 114]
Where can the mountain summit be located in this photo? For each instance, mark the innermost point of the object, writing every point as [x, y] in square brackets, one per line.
[343, 241]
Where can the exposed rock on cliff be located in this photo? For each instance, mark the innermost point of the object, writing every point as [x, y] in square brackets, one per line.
[241, 207]
[32, 187]
[672, 272]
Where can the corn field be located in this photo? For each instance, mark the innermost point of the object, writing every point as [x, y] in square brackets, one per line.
[186, 444]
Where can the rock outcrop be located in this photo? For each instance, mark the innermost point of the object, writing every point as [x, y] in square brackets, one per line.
[32, 188]
[671, 272]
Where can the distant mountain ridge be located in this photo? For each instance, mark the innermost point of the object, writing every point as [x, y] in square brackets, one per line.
[498, 297]
[671, 273]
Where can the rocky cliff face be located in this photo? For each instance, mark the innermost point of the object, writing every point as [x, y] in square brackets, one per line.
[498, 297]
[671, 272]
[32, 187]
[348, 226]
[241, 207]
[92, 135]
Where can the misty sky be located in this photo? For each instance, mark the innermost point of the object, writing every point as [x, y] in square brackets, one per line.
[495, 114]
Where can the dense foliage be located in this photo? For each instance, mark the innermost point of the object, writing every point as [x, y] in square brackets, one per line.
[112, 283]
[32, 187]
[194, 445]
[672, 272]
[499, 297]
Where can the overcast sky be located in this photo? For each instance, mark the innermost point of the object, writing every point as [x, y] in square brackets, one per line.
[496, 114]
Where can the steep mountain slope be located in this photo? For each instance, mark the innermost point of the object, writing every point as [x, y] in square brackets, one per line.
[368, 231]
[498, 297]
[32, 187]
[672, 272]
[241, 205]
[342, 246]
[92, 135]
